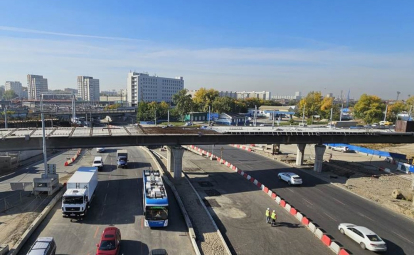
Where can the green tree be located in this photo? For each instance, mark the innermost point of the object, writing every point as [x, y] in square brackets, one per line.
[143, 113]
[312, 104]
[224, 104]
[9, 94]
[369, 108]
[183, 102]
[163, 108]
[326, 106]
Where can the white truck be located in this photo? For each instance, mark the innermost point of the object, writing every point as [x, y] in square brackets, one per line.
[79, 193]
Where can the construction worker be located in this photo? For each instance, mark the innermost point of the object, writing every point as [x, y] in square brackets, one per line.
[267, 215]
[274, 217]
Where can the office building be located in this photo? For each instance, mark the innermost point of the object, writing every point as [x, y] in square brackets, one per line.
[36, 85]
[88, 88]
[16, 86]
[142, 87]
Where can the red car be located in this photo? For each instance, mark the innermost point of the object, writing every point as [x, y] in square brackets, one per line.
[110, 242]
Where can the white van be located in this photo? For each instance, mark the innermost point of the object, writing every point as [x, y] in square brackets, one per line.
[98, 162]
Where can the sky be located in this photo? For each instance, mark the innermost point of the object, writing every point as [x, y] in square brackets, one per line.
[277, 45]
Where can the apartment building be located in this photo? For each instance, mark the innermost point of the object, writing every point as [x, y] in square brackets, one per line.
[146, 88]
[16, 86]
[88, 88]
[36, 86]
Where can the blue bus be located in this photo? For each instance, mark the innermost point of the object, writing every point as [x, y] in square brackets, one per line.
[155, 202]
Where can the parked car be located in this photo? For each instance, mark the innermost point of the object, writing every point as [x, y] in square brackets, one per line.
[188, 124]
[99, 150]
[290, 178]
[110, 242]
[43, 246]
[365, 237]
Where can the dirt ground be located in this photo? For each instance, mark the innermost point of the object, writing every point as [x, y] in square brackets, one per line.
[380, 189]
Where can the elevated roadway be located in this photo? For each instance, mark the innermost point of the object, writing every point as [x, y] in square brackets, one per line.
[326, 204]
[118, 202]
[80, 137]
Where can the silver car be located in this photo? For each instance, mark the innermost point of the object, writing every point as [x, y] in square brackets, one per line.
[43, 246]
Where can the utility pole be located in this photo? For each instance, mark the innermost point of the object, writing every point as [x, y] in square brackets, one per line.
[43, 137]
[340, 114]
[168, 117]
[209, 116]
[385, 113]
[398, 95]
[331, 115]
[5, 117]
[303, 114]
[255, 115]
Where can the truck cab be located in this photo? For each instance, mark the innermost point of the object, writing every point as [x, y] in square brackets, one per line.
[122, 159]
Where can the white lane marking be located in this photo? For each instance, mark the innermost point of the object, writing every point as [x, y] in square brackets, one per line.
[308, 202]
[330, 216]
[338, 201]
[290, 190]
[363, 215]
[408, 240]
[107, 185]
[105, 198]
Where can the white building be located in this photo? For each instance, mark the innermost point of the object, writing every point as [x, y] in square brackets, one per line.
[36, 85]
[297, 96]
[16, 86]
[142, 87]
[265, 95]
[231, 94]
[88, 88]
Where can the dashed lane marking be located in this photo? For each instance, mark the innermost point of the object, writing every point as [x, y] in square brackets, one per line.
[96, 231]
[406, 239]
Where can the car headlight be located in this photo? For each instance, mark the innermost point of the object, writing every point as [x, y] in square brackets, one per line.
[165, 223]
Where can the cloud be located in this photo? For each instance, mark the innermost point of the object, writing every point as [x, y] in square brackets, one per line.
[279, 70]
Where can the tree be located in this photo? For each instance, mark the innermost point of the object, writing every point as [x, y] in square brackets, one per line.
[326, 106]
[183, 102]
[394, 109]
[369, 108]
[9, 94]
[312, 104]
[143, 113]
[204, 98]
[224, 104]
[163, 108]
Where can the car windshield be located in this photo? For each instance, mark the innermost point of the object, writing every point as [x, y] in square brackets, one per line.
[374, 238]
[107, 245]
[156, 213]
[97, 162]
[72, 200]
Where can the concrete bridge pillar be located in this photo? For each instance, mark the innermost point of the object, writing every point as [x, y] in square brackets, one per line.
[175, 160]
[300, 153]
[275, 149]
[319, 151]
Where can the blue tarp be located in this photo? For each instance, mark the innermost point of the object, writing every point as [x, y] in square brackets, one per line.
[369, 151]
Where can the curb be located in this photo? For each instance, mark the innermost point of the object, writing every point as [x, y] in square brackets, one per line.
[191, 232]
[22, 240]
[318, 232]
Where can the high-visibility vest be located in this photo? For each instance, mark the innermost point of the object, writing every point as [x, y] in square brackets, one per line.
[267, 213]
[273, 216]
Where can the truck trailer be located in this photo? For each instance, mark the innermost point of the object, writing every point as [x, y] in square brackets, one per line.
[122, 156]
[79, 193]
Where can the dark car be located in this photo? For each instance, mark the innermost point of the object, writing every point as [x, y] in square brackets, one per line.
[110, 242]
[43, 246]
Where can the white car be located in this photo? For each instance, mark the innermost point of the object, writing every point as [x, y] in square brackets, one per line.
[100, 149]
[290, 178]
[341, 148]
[365, 237]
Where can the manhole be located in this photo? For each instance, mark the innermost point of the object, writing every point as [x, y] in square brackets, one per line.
[205, 184]
[212, 192]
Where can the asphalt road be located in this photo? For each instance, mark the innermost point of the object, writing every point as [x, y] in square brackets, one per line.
[239, 211]
[118, 202]
[326, 204]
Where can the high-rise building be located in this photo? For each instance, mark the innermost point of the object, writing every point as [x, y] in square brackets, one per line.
[16, 86]
[88, 88]
[36, 85]
[265, 95]
[142, 87]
